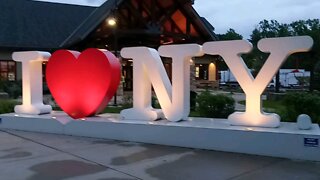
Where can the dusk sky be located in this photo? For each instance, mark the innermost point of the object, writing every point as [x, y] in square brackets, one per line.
[242, 15]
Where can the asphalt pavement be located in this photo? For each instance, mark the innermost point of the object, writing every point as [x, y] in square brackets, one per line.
[28, 155]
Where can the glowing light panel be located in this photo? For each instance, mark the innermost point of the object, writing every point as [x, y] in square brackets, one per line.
[148, 70]
[279, 49]
[32, 98]
[83, 84]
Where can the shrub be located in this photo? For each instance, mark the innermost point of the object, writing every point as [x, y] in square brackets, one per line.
[154, 102]
[303, 103]
[45, 88]
[13, 88]
[218, 106]
[127, 100]
[193, 98]
[7, 106]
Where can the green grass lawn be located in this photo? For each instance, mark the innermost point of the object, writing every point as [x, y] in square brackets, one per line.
[113, 109]
[278, 107]
[118, 109]
[108, 109]
[273, 106]
[270, 105]
[7, 106]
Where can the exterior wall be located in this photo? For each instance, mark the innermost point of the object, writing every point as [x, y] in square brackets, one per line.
[208, 63]
[7, 55]
[193, 83]
[212, 72]
[6, 65]
[18, 71]
[205, 71]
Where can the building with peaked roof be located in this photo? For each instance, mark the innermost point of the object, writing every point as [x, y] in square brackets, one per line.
[35, 25]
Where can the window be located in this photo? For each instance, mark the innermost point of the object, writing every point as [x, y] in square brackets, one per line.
[197, 72]
[8, 70]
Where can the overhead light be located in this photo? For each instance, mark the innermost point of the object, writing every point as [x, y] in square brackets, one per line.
[112, 21]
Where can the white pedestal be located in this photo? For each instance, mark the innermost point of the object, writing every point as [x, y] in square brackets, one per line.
[287, 141]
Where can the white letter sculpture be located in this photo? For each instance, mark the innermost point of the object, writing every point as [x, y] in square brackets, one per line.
[32, 95]
[148, 70]
[279, 49]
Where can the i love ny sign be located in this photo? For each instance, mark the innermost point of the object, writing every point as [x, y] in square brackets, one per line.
[83, 83]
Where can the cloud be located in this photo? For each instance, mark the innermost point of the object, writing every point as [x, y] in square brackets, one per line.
[241, 15]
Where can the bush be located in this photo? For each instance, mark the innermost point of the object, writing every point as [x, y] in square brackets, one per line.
[193, 98]
[218, 106]
[316, 77]
[45, 88]
[13, 88]
[7, 106]
[302, 103]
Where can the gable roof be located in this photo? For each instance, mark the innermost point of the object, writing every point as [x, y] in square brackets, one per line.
[26, 24]
[33, 24]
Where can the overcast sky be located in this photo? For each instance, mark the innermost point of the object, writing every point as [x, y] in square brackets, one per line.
[242, 15]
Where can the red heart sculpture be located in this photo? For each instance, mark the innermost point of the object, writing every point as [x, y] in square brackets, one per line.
[83, 84]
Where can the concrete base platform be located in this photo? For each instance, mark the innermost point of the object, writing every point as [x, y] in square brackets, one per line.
[287, 141]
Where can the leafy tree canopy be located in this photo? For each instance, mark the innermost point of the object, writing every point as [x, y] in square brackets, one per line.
[230, 35]
[272, 28]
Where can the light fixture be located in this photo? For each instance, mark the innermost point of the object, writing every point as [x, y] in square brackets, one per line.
[112, 21]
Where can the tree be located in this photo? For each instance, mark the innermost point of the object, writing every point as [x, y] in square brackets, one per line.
[269, 29]
[230, 35]
[310, 59]
[266, 29]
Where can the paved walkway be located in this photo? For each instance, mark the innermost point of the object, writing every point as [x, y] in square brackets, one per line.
[26, 155]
